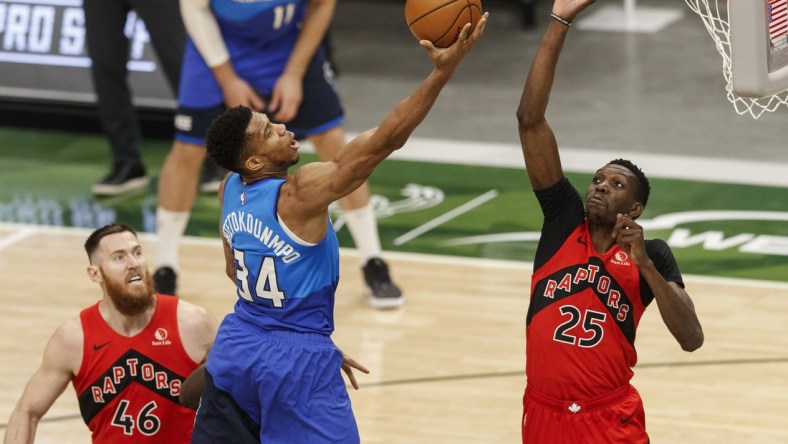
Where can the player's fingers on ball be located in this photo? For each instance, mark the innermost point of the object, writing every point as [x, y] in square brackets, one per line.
[482, 24]
[466, 28]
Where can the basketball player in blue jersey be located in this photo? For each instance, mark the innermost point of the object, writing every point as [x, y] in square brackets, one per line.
[266, 55]
[274, 372]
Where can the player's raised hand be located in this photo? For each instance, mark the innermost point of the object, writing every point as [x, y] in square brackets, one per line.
[629, 237]
[448, 58]
[568, 9]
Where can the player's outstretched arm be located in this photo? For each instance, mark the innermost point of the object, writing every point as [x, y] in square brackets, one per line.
[62, 356]
[324, 183]
[365, 152]
[540, 148]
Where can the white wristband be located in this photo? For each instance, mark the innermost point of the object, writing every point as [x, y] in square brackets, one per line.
[561, 19]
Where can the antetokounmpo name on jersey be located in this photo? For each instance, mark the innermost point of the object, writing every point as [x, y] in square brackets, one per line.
[580, 277]
[247, 223]
[131, 367]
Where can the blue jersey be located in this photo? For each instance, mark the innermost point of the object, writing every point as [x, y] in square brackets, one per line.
[282, 282]
[259, 36]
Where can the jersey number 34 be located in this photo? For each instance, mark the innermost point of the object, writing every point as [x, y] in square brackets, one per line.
[266, 286]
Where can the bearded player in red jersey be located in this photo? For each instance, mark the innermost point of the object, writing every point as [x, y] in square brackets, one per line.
[594, 275]
[126, 355]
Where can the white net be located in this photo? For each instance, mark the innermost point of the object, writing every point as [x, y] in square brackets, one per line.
[715, 16]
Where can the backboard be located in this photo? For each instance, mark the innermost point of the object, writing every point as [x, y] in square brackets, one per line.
[759, 46]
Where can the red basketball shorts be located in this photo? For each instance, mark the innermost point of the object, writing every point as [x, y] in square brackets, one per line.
[617, 417]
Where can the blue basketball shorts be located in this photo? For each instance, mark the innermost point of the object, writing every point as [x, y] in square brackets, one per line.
[320, 110]
[221, 420]
[288, 383]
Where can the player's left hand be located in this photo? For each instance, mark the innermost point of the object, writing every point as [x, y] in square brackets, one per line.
[447, 59]
[286, 97]
[629, 237]
[348, 364]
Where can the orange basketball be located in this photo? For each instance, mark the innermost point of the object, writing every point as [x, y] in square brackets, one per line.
[440, 21]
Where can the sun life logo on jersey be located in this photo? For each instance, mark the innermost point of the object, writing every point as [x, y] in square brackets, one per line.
[161, 337]
[620, 258]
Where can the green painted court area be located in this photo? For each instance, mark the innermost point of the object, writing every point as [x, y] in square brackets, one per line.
[458, 210]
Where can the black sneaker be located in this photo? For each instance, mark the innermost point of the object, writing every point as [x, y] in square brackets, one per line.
[164, 281]
[124, 178]
[380, 290]
[211, 176]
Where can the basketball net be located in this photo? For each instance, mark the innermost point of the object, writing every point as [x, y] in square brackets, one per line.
[715, 16]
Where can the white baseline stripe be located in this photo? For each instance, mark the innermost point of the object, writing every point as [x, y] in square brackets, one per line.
[504, 155]
[17, 237]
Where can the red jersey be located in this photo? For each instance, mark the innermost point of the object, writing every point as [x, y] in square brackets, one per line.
[585, 305]
[128, 387]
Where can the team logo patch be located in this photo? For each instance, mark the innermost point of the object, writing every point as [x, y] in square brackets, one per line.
[161, 335]
[620, 258]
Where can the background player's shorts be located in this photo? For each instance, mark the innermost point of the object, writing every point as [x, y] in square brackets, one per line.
[220, 419]
[320, 108]
[615, 418]
[289, 383]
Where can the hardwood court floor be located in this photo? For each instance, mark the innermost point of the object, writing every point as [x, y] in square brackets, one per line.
[446, 368]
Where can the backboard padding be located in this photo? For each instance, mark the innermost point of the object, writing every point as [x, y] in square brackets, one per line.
[757, 70]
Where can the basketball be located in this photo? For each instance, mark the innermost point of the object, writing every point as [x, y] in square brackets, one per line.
[440, 21]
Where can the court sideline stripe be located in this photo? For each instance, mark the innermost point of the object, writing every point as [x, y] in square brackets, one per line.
[579, 160]
[17, 237]
[405, 256]
[476, 376]
[472, 376]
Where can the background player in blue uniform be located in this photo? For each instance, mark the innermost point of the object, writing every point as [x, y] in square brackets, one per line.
[265, 55]
[273, 370]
